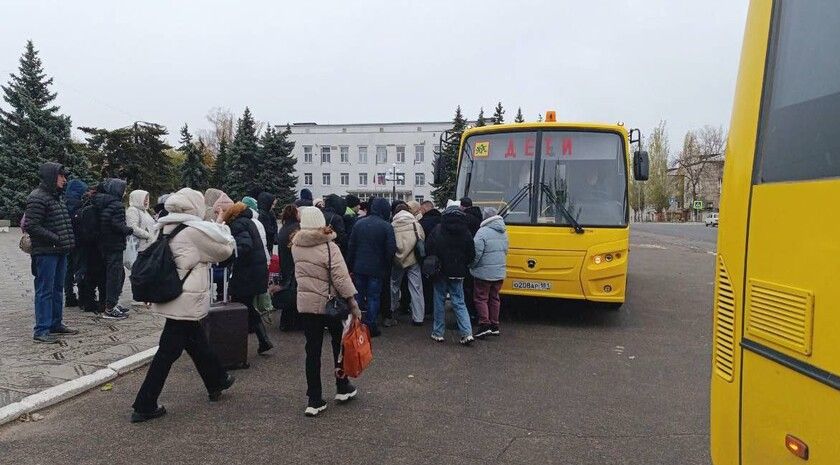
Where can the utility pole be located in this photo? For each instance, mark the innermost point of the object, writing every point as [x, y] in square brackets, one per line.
[394, 176]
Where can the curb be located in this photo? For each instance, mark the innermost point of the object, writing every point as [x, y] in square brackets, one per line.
[72, 388]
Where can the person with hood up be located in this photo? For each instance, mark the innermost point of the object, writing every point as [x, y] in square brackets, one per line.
[429, 220]
[137, 218]
[452, 243]
[250, 268]
[305, 199]
[407, 232]
[266, 202]
[321, 273]
[211, 195]
[76, 188]
[288, 285]
[220, 206]
[489, 270]
[370, 251]
[113, 232]
[252, 205]
[196, 245]
[334, 208]
[51, 232]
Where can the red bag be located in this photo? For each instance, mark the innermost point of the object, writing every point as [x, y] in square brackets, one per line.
[356, 349]
[274, 265]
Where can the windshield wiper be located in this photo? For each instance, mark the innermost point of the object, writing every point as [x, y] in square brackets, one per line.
[525, 191]
[551, 197]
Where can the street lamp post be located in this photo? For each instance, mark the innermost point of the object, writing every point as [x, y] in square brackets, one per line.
[394, 176]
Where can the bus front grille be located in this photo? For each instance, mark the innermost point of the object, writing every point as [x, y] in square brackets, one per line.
[724, 324]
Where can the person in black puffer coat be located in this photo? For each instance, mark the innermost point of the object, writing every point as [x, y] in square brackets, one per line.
[430, 219]
[474, 215]
[452, 243]
[113, 232]
[334, 209]
[250, 268]
[51, 231]
[73, 199]
[266, 202]
[286, 298]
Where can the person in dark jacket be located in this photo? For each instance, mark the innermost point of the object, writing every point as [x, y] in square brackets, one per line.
[351, 213]
[305, 199]
[266, 202]
[334, 208]
[370, 252]
[250, 269]
[474, 215]
[429, 220]
[51, 231]
[76, 188]
[286, 296]
[113, 232]
[452, 243]
[90, 274]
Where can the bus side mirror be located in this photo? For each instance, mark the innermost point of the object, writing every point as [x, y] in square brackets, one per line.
[641, 166]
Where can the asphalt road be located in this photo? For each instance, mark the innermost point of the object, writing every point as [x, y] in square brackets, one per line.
[692, 232]
[564, 384]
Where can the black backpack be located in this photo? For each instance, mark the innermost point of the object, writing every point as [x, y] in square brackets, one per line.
[86, 223]
[154, 276]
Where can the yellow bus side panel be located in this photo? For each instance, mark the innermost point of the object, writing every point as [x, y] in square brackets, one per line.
[779, 402]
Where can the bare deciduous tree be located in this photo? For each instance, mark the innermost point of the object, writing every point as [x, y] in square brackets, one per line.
[698, 148]
[658, 186]
[222, 126]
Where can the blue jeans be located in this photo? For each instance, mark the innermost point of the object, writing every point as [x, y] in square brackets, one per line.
[369, 290]
[49, 271]
[455, 288]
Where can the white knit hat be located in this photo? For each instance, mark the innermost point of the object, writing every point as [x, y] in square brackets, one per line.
[311, 218]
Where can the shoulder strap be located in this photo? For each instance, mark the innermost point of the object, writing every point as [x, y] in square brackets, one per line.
[416, 236]
[175, 231]
[329, 272]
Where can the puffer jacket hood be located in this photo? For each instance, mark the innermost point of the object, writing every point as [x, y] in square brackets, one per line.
[137, 199]
[264, 201]
[452, 243]
[211, 195]
[495, 222]
[114, 187]
[380, 208]
[75, 189]
[336, 204]
[313, 237]
[306, 194]
[491, 247]
[454, 221]
[186, 201]
[49, 175]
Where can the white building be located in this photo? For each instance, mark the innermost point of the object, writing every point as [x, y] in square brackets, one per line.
[357, 158]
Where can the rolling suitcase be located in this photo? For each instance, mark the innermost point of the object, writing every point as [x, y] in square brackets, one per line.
[226, 326]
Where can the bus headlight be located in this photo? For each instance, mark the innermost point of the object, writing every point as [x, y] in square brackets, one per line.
[608, 257]
[597, 259]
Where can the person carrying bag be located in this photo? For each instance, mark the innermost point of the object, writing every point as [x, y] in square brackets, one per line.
[325, 294]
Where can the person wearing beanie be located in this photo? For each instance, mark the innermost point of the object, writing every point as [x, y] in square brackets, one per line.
[321, 273]
[252, 205]
[220, 206]
[351, 213]
[250, 268]
[414, 209]
[489, 269]
[305, 199]
[319, 202]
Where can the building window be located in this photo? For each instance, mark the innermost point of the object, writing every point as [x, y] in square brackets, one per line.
[325, 178]
[419, 198]
[325, 155]
[400, 154]
[381, 155]
[307, 178]
[380, 178]
[400, 179]
[345, 179]
[345, 154]
[362, 155]
[419, 153]
[363, 179]
[307, 154]
[419, 179]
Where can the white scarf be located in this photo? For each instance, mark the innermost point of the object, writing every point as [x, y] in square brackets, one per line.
[217, 232]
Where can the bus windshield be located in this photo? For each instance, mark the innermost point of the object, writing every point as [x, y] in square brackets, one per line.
[548, 177]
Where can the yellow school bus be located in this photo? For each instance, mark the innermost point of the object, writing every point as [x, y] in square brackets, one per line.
[562, 189]
[775, 387]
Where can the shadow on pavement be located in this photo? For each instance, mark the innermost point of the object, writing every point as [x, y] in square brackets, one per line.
[555, 312]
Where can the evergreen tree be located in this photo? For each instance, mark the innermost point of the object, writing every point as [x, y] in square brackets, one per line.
[242, 158]
[276, 173]
[193, 172]
[31, 132]
[499, 114]
[136, 153]
[220, 166]
[519, 118]
[448, 155]
[481, 121]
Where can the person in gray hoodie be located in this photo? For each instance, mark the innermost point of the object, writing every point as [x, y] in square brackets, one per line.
[489, 270]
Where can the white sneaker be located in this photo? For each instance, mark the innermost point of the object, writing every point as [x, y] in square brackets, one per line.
[467, 340]
[437, 338]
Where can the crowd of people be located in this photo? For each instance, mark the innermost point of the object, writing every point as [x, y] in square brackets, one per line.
[382, 258]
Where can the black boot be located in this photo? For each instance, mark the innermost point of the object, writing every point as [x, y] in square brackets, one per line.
[262, 336]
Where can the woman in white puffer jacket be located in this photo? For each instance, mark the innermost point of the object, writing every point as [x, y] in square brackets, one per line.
[137, 218]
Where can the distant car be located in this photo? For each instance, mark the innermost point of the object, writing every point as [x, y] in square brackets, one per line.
[712, 220]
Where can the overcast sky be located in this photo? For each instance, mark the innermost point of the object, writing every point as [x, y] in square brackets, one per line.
[637, 61]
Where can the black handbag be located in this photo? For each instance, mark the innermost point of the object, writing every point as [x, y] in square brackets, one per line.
[336, 306]
[419, 247]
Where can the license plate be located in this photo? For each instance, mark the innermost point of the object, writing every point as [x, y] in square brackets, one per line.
[532, 285]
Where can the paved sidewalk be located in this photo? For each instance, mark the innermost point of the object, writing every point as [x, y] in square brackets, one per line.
[26, 367]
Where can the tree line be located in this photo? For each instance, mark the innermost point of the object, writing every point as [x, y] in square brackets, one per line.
[236, 156]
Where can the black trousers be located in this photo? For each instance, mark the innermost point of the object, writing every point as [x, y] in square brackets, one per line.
[177, 336]
[90, 276]
[114, 277]
[254, 318]
[313, 329]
